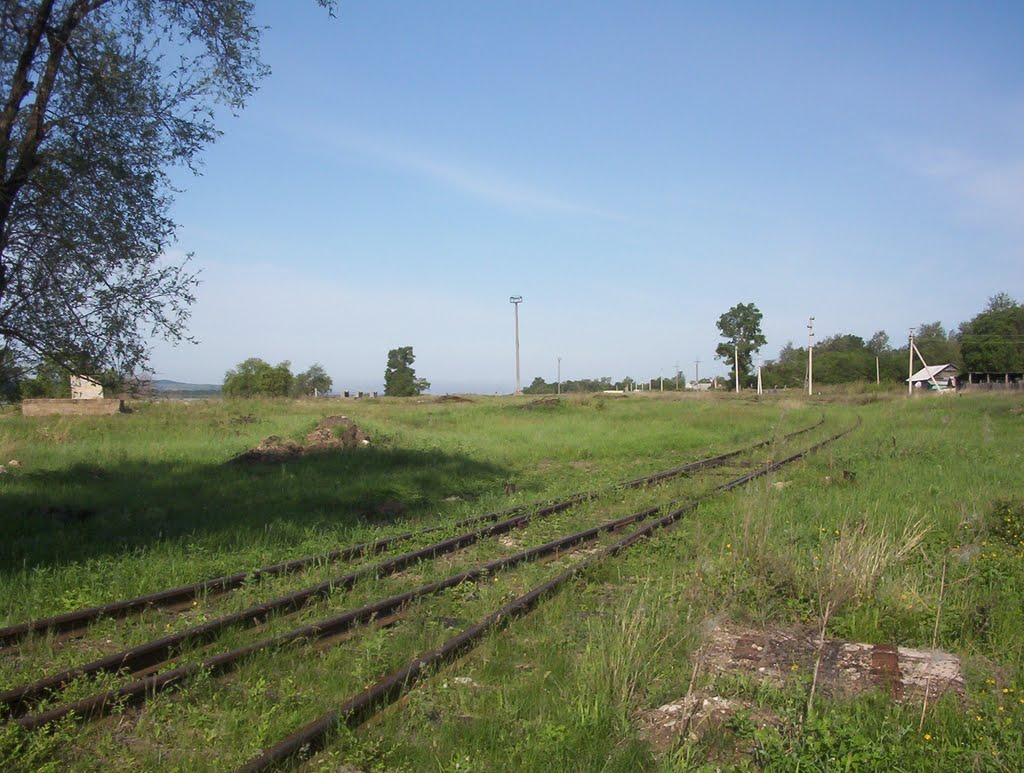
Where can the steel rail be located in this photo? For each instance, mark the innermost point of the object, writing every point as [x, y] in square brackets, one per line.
[158, 650]
[142, 689]
[358, 708]
[81, 618]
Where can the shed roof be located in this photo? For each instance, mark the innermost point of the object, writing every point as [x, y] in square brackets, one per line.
[925, 374]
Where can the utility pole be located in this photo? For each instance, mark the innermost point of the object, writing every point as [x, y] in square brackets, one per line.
[910, 371]
[878, 372]
[810, 357]
[696, 373]
[559, 375]
[736, 364]
[515, 300]
[759, 390]
[678, 374]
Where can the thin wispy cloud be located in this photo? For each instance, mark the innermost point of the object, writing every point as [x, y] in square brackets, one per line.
[456, 174]
[989, 189]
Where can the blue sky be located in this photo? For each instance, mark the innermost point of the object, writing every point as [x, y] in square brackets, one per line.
[631, 169]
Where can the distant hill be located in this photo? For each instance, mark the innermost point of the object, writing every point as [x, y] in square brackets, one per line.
[163, 386]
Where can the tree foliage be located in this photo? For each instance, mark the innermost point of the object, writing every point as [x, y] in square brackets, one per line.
[258, 378]
[741, 327]
[99, 99]
[935, 345]
[400, 377]
[312, 381]
[993, 341]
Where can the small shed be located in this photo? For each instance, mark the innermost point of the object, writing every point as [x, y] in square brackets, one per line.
[944, 375]
[990, 380]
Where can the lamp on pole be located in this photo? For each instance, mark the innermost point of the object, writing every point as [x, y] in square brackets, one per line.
[810, 356]
[515, 300]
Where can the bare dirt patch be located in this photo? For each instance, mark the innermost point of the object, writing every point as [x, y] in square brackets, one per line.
[333, 433]
[701, 716]
[452, 399]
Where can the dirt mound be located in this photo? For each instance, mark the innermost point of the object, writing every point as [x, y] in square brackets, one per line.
[542, 403]
[452, 399]
[332, 433]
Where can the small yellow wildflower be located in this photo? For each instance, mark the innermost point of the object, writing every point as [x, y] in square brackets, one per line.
[794, 667]
[927, 736]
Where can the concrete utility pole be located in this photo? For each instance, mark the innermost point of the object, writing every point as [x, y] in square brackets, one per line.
[678, 374]
[515, 300]
[810, 356]
[696, 373]
[910, 372]
[736, 364]
[759, 390]
[559, 375]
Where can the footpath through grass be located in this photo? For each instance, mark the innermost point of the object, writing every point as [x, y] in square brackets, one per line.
[104, 508]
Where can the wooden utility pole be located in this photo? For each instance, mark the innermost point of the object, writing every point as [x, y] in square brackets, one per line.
[910, 371]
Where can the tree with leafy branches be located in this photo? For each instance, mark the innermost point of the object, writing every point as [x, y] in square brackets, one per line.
[740, 326]
[312, 381]
[257, 378]
[400, 377]
[99, 100]
[993, 341]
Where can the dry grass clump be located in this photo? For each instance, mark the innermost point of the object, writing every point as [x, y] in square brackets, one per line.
[850, 568]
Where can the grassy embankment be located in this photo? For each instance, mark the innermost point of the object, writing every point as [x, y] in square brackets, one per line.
[110, 507]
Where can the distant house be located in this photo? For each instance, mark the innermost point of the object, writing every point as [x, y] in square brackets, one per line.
[943, 375]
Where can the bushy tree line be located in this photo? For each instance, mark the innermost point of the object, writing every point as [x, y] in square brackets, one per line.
[50, 379]
[992, 341]
[541, 387]
[258, 378]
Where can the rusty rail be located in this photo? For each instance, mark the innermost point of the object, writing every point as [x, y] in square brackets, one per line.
[81, 618]
[141, 689]
[358, 708]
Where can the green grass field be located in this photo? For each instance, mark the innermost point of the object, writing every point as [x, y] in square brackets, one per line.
[103, 508]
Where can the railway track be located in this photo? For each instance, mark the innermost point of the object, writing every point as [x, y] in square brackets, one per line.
[82, 618]
[140, 661]
[357, 709]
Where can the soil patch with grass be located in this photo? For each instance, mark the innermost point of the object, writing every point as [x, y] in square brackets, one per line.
[332, 433]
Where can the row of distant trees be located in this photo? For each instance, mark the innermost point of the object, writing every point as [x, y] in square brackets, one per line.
[258, 378]
[992, 341]
[665, 383]
[252, 378]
